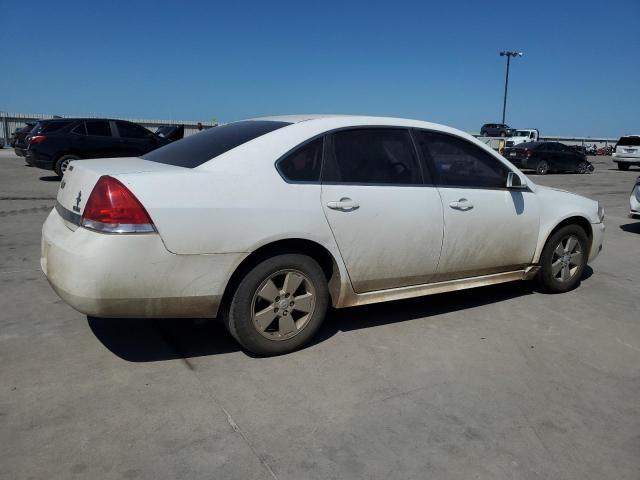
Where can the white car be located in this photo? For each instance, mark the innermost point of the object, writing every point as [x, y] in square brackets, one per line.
[266, 222]
[627, 152]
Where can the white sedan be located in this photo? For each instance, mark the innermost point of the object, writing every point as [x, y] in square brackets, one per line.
[266, 222]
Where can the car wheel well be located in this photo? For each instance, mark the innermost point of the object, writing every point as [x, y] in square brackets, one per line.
[295, 245]
[580, 221]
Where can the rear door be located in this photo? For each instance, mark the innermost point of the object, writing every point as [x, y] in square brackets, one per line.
[386, 221]
[134, 140]
[488, 228]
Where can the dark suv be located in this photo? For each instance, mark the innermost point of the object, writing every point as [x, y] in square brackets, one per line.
[52, 144]
[496, 130]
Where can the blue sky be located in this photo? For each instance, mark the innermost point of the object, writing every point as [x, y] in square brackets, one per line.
[436, 61]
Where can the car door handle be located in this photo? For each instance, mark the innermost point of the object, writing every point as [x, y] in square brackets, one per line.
[462, 204]
[345, 204]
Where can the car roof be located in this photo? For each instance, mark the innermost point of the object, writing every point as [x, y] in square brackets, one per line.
[344, 120]
[84, 119]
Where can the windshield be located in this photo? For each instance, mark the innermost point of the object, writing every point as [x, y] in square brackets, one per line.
[633, 141]
[197, 149]
[521, 133]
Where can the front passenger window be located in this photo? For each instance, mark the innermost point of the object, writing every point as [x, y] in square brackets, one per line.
[459, 163]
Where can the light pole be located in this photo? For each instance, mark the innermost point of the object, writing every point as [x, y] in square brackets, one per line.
[507, 54]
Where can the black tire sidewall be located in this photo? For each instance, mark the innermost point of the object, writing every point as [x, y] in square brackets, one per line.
[239, 316]
[545, 276]
[623, 166]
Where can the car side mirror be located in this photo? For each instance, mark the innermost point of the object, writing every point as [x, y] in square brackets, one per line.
[514, 181]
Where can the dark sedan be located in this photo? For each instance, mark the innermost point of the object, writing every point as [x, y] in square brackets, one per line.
[545, 157]
[52, 144]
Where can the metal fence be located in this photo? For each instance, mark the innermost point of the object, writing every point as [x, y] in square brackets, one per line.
[10, 122]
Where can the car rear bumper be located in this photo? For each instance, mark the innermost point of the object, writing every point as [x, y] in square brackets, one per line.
[110, 275]
[38, 160]
[621, 158]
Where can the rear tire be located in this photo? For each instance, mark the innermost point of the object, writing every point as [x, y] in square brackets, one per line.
[62, 163]
[542, 168]
[583, 167]
[563, 259]
[279, 305]
[503, 134]
[623, 166]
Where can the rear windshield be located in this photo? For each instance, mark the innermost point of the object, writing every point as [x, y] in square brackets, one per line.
[202, 147]
[629, 141]
[49, 127]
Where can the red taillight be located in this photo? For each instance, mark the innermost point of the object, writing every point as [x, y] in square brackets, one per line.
[37, 139]
[113, 208]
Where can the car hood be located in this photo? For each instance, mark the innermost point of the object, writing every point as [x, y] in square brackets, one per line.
[579, 205]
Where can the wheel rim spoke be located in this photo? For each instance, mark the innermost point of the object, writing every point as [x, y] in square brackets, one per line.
[292, 282]
[286, 325]
[566, 273]
[556, 267]
[576, 258]
[303, 303]
[572, 242]
[265, 317]
[269, 291]
[559, 251]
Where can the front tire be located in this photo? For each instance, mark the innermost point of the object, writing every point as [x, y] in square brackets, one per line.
[62, 163]
[623, 166]
[279, 305]
[563, 259]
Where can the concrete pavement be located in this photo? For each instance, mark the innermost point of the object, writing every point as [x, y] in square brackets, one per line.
[493, 383]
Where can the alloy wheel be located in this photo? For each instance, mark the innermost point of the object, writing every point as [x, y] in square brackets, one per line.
[283, 304]
[64, 165]
[566, 258]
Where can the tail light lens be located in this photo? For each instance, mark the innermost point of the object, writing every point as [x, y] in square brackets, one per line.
[37, 139]
[112, 208]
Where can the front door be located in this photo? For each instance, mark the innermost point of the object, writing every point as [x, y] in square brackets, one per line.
[134, 140]
[386, 221]
[488, 228]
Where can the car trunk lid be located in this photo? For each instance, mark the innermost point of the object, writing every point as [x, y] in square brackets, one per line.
[81, 177]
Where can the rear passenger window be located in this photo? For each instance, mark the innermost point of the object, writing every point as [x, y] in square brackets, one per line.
[79, 129]
[372, 156]
[55, 126]
[98, 128]
[459, 163]
[303, 164]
